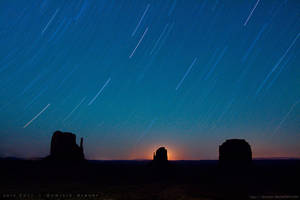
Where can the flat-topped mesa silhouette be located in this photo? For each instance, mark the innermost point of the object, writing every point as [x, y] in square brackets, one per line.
[235, 152]
[160, 156]
[64, 147]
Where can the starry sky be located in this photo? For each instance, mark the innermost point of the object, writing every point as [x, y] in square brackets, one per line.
[132, 75]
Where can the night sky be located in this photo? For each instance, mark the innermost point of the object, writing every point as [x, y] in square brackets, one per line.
[132, 75]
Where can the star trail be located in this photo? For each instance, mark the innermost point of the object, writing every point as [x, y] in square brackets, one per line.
[130, 75]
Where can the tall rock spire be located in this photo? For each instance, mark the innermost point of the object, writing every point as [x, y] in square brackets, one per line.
[81, 143]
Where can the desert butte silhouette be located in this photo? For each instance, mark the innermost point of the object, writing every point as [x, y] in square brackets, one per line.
[243, 178]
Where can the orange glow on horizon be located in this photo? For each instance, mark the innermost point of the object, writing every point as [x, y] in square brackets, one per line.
[147, 152]
[173, 153]
[177, 152]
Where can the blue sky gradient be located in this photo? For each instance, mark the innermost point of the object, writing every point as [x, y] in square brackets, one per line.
[131, 75]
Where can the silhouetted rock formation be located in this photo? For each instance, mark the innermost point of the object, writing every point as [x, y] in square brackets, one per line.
[236, 152]
[161, 156]
[64, 147]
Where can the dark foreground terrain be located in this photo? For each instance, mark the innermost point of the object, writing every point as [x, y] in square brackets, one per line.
[264, 179]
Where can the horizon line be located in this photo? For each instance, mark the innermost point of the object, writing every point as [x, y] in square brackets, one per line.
[145, 159]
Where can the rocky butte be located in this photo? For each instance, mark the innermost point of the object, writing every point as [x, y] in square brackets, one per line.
[64, 147]
[160, 156]
[235, 152]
